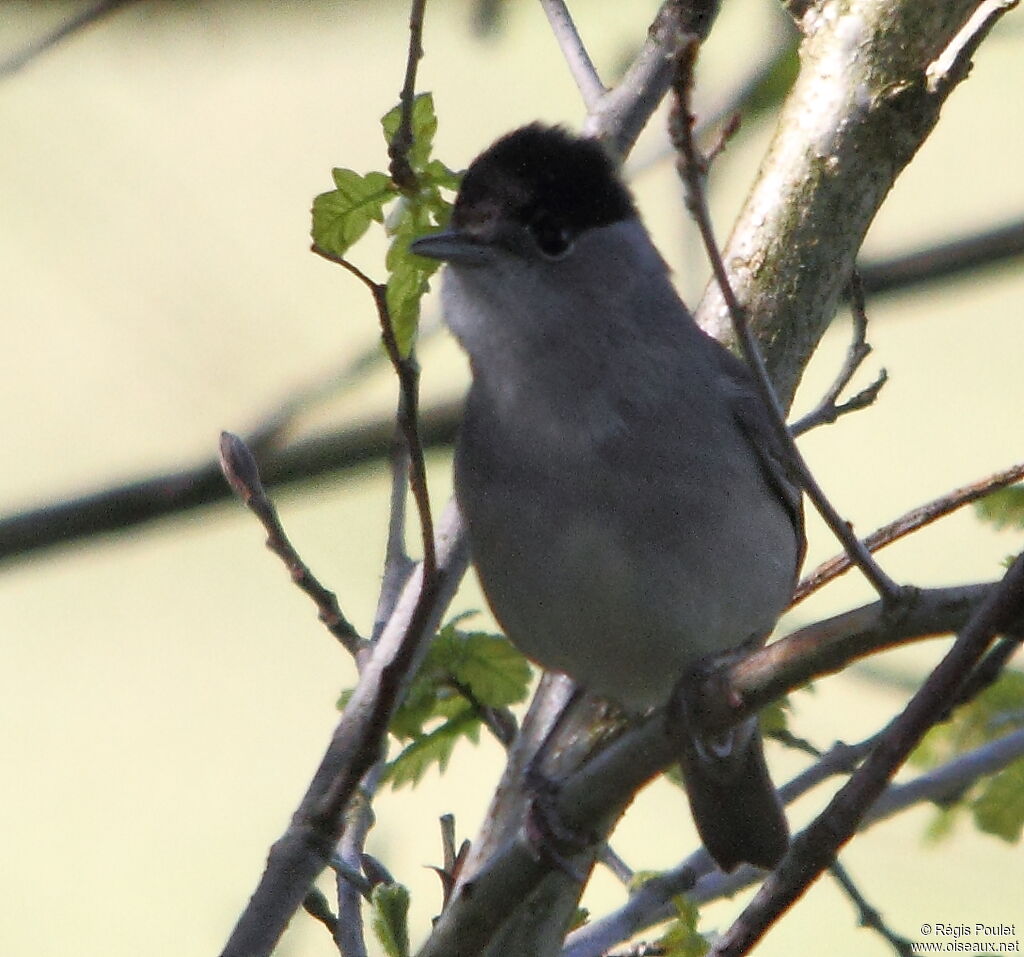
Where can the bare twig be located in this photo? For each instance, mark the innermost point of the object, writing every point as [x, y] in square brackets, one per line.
[398, 151]
[869, 916]
[351, 885]
[815, 848]
[910, 522]
[576, 57]
[954, 62]
[68, 28]
[693, 171]
[407, 371]
[306, 847]
[243, 475]
[829, 409]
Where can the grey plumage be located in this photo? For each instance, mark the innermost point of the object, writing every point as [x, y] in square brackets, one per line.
[626, 506]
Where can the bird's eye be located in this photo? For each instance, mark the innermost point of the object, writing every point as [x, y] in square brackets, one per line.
[552, 238]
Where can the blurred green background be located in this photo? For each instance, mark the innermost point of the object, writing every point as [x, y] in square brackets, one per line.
[165, 694]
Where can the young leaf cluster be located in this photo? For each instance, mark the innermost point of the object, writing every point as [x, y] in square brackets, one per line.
[995, 803]
[463, 674]
[342, 216]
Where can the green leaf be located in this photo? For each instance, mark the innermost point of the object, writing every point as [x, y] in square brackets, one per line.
[461, 670]
[389, 917]
[488, 665]
[424, 126]
[437, 174]
[999, 808]
[1004, 509]
[681, 938]
[407, 283]
[342, 216]
[436, 747]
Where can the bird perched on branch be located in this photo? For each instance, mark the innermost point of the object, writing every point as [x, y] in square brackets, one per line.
[627, 505]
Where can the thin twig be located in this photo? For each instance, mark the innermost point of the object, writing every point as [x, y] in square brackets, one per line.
[352, 886]
[910, 522]
[575, 53]
[243, 476]
[693, 171]
[651, 904]
[408, 379]
[815, 848]
[829, 409]
[398, 151]
[869, 916]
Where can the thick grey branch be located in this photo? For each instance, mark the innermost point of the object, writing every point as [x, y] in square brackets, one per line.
[590, 798]
[858, 112]
[652, 903]
[305, 849]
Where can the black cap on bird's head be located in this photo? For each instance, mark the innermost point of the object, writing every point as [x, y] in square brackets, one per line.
[540, 179]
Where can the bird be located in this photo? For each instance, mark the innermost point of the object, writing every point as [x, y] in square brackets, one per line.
[628, 505]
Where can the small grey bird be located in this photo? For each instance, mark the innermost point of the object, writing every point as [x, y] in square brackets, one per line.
[627, 508]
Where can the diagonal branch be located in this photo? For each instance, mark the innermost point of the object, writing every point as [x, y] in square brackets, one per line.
[590, 798]
[692, 168]
[243, 476]
[652, 903]
[576, 56]
[306, 847]
[910, 522]
[857, 114]
[814, 848]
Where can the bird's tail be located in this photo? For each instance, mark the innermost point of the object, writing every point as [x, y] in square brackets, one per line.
[737, 812]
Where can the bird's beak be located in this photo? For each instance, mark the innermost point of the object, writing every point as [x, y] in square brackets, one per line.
[452, 246]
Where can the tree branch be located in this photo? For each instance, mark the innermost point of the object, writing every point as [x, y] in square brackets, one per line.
[590, 798]
[814, 848]
[622, 113]
[701, 883]
[829, 409]
[576, 56]
[243, 476]
[910, 522]
[119, 507]
[849, 126]
[692, 168]
[306, 847]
